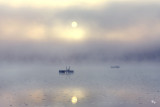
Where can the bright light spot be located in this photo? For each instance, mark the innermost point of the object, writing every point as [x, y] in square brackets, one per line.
[74, 100]
[153, 102]
[74, 24]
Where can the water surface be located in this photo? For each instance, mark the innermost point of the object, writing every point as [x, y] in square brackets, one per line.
[93, 85]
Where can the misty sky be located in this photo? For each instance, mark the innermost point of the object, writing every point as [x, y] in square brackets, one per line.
[106, 30]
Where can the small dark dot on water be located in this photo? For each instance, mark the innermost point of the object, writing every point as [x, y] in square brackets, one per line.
[25, 104]
[10, 105]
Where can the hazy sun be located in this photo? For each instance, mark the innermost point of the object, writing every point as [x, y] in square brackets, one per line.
[72, 33]
[74, 24]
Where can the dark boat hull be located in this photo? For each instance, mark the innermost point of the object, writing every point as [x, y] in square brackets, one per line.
[66, 71]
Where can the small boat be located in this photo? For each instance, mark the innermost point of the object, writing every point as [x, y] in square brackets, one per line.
[67, 71]
[115, 66]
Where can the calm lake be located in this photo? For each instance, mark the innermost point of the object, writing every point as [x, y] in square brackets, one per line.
[91, 85]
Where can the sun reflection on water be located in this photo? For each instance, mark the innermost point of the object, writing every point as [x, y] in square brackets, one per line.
[74, 100]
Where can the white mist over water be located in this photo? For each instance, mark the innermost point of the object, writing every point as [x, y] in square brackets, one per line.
[41, 85]
[38, 38]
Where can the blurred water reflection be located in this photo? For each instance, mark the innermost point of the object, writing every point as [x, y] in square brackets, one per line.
[99, 86]
[74, 100]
